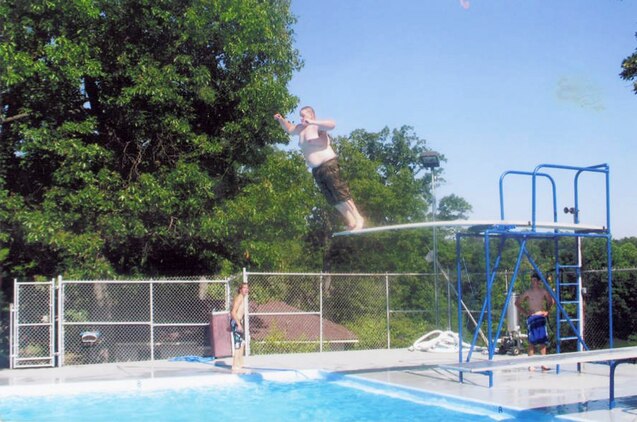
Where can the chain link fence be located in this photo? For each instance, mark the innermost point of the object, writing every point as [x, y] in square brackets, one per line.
[136, 320]
[326, 312]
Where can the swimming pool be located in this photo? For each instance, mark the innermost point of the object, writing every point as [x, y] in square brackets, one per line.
[266, 396]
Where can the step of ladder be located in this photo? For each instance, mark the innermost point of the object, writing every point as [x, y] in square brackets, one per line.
[568, 266]
[572, 320]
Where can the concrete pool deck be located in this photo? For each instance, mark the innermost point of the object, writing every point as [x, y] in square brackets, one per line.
[577, 395]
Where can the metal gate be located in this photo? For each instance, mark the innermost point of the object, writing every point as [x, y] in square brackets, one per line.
[32, 325]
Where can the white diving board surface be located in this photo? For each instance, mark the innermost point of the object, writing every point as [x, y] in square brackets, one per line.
[480, 225]
[603, 355]
[612, 357]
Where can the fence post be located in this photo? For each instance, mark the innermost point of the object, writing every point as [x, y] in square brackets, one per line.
[321, 312]
[152, 319]
[52, 321]
[11, 320]
[246, 316]
[60, 320]
[228, 298]
[387, 310]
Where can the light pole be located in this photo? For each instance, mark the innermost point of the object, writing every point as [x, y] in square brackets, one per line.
[431, 160]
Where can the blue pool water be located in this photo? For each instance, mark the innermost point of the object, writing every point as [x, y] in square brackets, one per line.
[253, 398]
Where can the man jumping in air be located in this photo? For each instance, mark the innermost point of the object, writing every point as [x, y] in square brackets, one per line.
[321, 158]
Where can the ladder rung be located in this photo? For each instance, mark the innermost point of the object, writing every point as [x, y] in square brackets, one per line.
[571, 320]
[567, 338]
[568, 284]
[569, 302]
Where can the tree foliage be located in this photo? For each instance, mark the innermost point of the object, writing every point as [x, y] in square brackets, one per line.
[129, 126]
[624, 287]
[629, 69]
[453, 207]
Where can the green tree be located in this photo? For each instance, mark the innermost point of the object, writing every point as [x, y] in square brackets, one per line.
[453, 207]
[629, 69]
[624, 254]
[127, 126]
[268, 221]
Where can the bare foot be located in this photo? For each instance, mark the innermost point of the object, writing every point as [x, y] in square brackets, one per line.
[531, 368]
[357, 226]
[240, 371]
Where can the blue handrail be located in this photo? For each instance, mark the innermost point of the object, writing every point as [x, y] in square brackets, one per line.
[534, 175]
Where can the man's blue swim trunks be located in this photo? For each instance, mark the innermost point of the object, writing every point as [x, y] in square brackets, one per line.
[237, 336]
[536, 326]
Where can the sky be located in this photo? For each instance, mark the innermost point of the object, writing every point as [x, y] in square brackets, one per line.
[494, 86]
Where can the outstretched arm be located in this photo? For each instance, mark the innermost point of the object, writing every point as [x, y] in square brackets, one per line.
[287, 126]
[324, 125]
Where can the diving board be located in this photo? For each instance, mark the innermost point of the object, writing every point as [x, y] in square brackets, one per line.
[612, 357]
[481, 224]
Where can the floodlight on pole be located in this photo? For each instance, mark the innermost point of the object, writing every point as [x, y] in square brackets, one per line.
[431, 160]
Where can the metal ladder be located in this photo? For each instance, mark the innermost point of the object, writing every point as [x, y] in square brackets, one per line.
[568, 289]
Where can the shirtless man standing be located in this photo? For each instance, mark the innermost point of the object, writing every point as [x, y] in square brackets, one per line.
[535, 303]
[321, 158]
[236, 324]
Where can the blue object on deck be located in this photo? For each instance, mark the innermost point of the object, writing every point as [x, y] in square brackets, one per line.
[191, 358]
